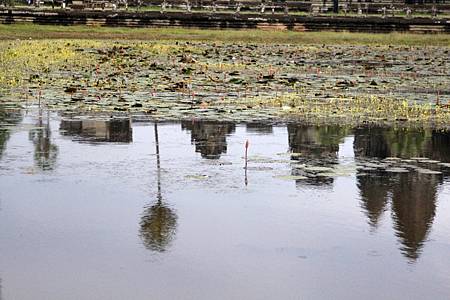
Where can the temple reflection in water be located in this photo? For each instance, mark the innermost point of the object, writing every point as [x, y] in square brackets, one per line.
[412, 196]
[209, 137]
[316, 145]
[259, 128]
[414, 206]
[8, 117]
[109, 130]
[45, 152]
[383, 142]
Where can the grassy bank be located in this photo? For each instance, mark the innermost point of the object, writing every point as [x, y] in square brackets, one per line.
[27, 31]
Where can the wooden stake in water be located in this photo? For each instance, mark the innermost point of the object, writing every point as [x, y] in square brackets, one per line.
[246, 155]
[246, 152]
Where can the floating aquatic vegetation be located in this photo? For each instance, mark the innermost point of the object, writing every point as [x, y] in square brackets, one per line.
[429, 172]
[291, 177]
[197, 177]
[397, 170]
[242, 82]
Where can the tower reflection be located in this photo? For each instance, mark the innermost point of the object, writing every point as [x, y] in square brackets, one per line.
[45, 152]
[116, 130]
[375, 193]
[7, 117]
[413, 208]
[209, 137]
[412, 195]
[316, 146]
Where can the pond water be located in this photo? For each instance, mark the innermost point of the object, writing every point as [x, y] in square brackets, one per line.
[116, 209]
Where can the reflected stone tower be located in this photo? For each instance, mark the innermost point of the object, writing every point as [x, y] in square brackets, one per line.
[374, 192]
[45, 152]
[117, 130]
[413, 210]
[10, 117]
[412, 196]
[209, 138]
[317, 146]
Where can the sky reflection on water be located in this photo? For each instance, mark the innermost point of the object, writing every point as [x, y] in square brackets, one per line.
[114, 209]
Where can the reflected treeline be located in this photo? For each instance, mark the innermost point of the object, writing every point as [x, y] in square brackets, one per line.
[412, 196]
[158, 226]
[315, 145]
[439, 147]
[8, 117]
[406, 143]
[158, 222]
[209, 137]
[110, 130]
[45, 152]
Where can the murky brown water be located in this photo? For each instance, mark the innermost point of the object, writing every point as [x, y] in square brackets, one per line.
[111, 209]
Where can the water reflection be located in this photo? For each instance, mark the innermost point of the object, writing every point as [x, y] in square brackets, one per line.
[7, 117]
[315, 145]
[109, 130]
[406, 143]
[261, 128]
[414, 206]
[158, 222]
[375, 192]
[209, 138]
[316, 142]
[45, 152]
[412, 195]
[439, 146]
[158, 226]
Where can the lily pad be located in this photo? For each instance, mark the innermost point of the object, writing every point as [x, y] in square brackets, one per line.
[397, 170]
[197, 177]
[317, 169]
[291, 177]
[429, 172]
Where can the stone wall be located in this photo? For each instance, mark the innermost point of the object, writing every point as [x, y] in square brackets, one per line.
[225, 20]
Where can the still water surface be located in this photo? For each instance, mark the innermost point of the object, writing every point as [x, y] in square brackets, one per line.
[113, 209]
